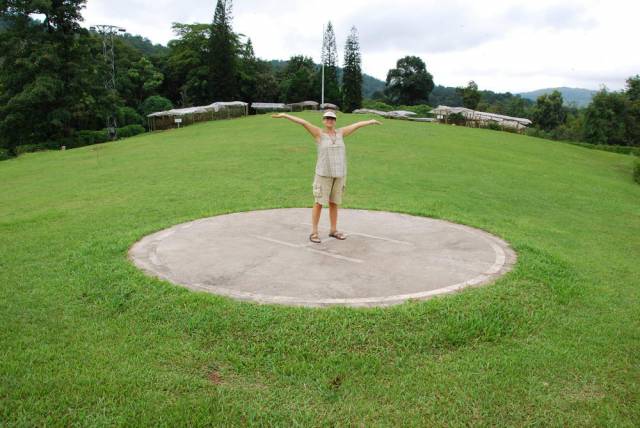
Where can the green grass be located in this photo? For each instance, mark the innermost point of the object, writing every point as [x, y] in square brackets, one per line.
[87, 339]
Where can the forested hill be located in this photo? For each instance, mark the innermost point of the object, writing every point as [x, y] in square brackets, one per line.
[581, 97]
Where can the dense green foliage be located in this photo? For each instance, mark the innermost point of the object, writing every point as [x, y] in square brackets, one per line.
[89, 340]
[154, 104]
[297, 80]
[470, 95]
[409, 83]
[614, 117]
[46, 74]
[549, 112]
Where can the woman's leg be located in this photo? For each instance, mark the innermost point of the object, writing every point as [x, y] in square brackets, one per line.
[315, 217]
[333, 216]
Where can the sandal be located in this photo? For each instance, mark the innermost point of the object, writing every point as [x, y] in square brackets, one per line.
[338, 235]
[314, 238]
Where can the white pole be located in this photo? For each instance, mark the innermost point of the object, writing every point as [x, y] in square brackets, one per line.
[322, 59]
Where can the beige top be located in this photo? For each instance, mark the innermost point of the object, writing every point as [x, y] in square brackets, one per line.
[332, 156]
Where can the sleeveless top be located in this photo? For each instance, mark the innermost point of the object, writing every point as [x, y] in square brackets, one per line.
[332, 157]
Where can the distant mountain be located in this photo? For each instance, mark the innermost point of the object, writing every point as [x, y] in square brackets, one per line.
[369, 83]
[581, 97]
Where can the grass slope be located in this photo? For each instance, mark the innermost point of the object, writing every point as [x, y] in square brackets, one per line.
[88, 339]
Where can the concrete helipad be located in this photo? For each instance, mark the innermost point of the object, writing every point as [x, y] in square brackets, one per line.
[266, 256]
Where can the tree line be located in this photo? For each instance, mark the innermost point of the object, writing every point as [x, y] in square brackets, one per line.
[53, 74]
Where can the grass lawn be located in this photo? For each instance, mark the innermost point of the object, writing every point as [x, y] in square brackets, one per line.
[87, 339]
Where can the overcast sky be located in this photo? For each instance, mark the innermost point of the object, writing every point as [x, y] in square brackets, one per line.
[503, 45]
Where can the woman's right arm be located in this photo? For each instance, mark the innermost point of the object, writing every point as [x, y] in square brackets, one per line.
[312, 129]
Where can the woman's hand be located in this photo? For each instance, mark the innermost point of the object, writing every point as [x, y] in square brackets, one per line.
[375, 122]
[277, 115]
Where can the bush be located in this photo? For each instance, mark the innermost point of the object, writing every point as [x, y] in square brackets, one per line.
[457, 119]
[128, 116]
[153, 104]
[29, 148]
[626, 150]
[422, 110]
[538, 133]
[87, 138]
[377, 105]
[4, 154]
[636, 171]
[130, 131]
[493, 125]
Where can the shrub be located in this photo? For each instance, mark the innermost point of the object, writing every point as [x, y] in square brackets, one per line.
[627, 150]
[153, 104]
[28, 148]
[422, 110]
[130, 131]
[493, 125]
[636, 171]
[128, 116]
[457, 119]
[87, 138]
[4, 154]
[536, 132]
[377, 105]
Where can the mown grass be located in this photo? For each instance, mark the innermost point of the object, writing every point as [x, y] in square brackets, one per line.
[87, 339]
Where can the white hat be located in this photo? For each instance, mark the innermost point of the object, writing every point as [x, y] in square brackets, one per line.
[329, 113]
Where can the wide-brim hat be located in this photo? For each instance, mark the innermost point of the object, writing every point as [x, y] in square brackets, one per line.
[329, 113]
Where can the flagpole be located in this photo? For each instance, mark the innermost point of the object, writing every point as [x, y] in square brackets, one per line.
[322, 60]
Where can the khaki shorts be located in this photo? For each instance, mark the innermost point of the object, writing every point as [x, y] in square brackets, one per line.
[328, 189]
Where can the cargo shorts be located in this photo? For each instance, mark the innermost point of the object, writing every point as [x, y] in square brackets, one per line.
[328, 189]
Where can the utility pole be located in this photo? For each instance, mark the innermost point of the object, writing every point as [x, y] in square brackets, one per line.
[107, 32]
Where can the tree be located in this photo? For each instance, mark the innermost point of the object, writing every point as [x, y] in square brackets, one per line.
[352, 74]
[145, 80]
[470, 95]
[549, 112]
[632, 121]
[604, 121]
[187, 77]
[409, 83]
[248, 73]
[223, 84]
[330, 61]
[633, 88]
[297, 79]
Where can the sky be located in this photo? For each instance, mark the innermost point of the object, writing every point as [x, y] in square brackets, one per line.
[502, 45]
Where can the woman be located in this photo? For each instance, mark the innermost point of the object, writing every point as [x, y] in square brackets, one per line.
[331, 167]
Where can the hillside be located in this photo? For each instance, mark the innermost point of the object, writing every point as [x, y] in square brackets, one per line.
[90, 340]
[580, 97]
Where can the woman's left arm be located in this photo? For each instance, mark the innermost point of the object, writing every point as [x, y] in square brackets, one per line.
[350, 129]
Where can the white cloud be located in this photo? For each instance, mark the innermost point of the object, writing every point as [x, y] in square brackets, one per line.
[504, 45]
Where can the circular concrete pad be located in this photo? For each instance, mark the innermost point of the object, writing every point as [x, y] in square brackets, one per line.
[266, 256]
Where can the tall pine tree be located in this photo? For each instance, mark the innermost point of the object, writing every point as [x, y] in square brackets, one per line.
[330, 61]
[223, 64]
[352, 74]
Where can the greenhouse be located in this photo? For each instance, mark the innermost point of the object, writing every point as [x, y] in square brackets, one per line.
[176, 118]
[480, 118]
